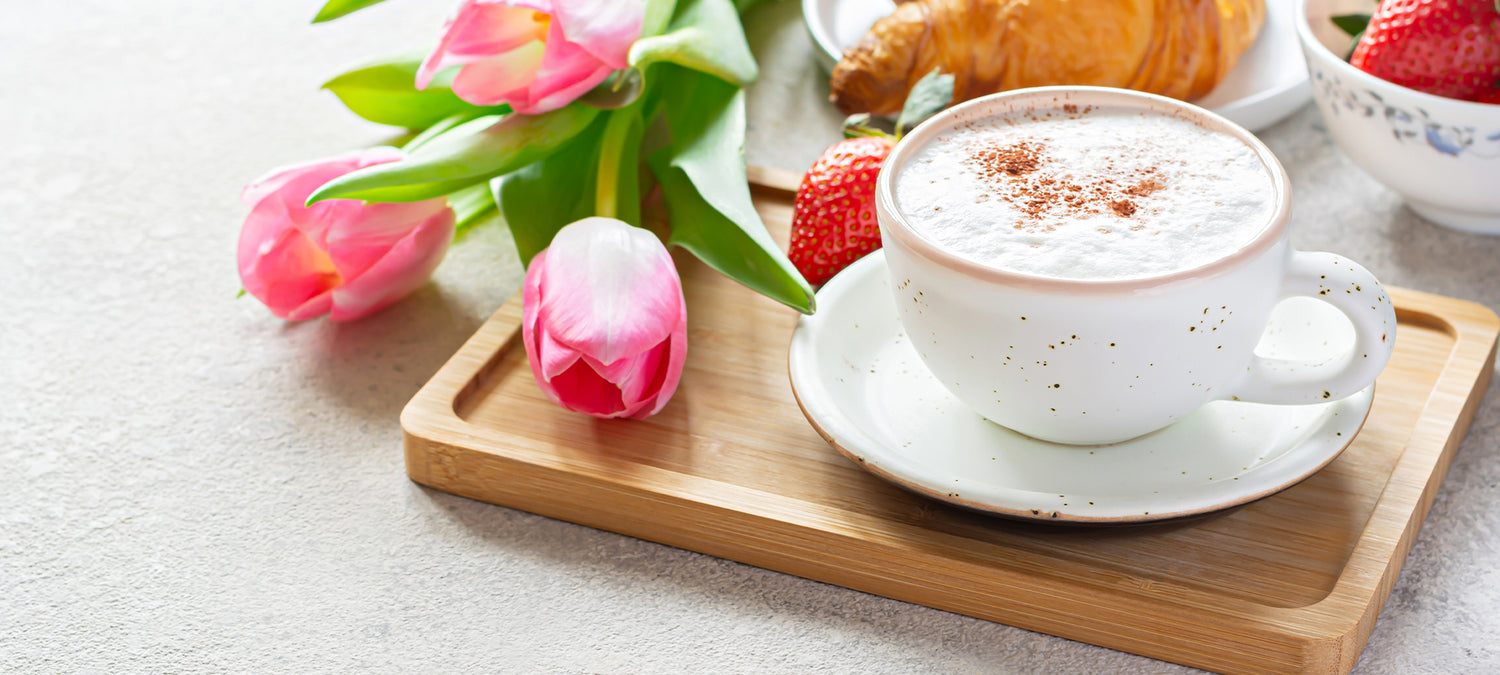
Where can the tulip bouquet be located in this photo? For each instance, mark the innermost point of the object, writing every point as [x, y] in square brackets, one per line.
[565, 117]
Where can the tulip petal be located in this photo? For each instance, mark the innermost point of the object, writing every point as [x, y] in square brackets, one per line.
[313, 308]
[632, 374]
[279, 265]
[605, 28]
[482, 29]
[356, 243]
[611, 289]
[580, 389]
[503, 78]
[555, 356]
[549, 358]
[402, 270]
[531, 302]
[318, 220]
[638, 378]
[648, 380]
[558, 98]
[304, 178]
[671, 374]
[566, 71]
[340, 256]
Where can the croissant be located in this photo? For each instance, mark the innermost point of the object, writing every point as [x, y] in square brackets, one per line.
[1177, 48]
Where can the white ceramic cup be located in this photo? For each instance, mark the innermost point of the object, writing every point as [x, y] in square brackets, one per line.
[1102, 361]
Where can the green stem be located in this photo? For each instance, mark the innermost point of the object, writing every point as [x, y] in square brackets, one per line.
[471, 206]
[611, 150]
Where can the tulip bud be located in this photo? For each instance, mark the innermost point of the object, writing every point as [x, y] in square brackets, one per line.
[604, 320]
[536, 55]
[341, 257]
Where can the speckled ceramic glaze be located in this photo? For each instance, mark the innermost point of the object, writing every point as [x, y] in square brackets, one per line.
[1102, 361]
[862, 384]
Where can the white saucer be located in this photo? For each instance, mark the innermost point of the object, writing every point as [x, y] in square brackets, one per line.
[1268, 84]
[866, 391]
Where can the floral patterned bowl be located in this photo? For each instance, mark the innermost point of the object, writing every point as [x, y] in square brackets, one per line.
[1442, 155]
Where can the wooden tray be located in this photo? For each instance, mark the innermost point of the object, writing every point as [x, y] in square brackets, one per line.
[731, 468]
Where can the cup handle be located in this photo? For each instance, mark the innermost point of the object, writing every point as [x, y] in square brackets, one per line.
[1356, 293]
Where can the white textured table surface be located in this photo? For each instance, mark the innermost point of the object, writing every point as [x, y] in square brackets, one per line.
[193, 485]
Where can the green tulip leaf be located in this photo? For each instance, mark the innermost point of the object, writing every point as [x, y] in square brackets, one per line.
[542, 198]
[385, 92]
[702, 177]
[658, 15]
[746, 5]
[471, 206]
[468, 154]
[337, 8]
[705, 36]
[442, 127]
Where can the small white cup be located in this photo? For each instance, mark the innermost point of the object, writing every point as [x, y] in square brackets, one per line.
[1102, 361]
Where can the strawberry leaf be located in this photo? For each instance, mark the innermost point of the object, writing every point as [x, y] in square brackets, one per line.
[931, 94]
[1353, 24]
[859, 125]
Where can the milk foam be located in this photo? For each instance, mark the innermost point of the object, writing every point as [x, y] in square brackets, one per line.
[1110, 194]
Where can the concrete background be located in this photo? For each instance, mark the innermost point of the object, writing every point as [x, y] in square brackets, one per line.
[193, 485]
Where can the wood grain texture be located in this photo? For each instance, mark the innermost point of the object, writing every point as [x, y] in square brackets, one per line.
[1290, 583]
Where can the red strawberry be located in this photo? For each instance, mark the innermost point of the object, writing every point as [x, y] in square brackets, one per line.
[833, 221]
[1491, 96]
[1443, 47]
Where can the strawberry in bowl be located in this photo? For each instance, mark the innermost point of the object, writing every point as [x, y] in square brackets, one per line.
[1447, 48]
[1414, 107]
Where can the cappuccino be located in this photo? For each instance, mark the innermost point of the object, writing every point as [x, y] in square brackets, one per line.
[1090, 193]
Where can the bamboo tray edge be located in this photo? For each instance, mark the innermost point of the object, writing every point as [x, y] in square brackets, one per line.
[447, 452]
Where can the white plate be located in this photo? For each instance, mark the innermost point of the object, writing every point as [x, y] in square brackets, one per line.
[1268, 84]
[866, 391]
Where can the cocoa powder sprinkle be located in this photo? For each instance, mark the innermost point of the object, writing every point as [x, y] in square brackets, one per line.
[1014, 160]
[1144, 188]
[1018, 173]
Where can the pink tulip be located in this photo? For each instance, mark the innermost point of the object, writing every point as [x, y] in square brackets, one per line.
[536, 55]
[341, 257]
[604, 320]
